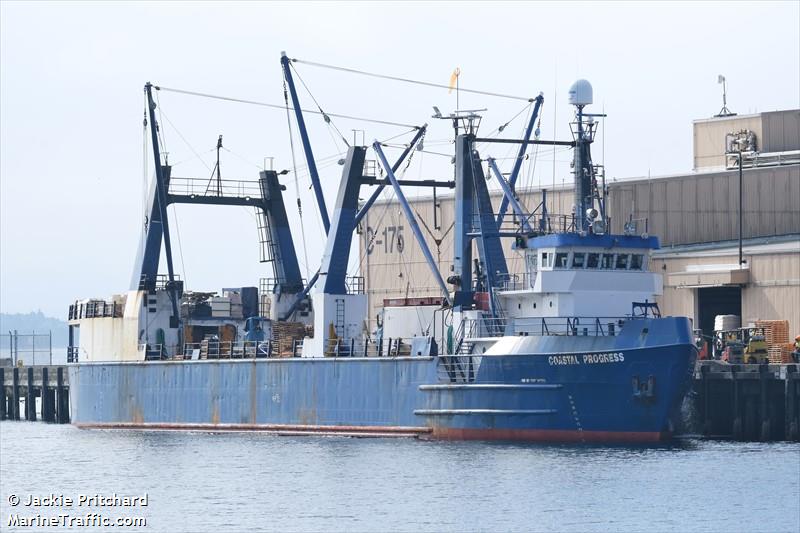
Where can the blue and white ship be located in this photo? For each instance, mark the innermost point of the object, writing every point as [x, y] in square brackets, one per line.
[572, 350]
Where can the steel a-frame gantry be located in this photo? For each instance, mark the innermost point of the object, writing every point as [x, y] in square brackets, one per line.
[267, 197]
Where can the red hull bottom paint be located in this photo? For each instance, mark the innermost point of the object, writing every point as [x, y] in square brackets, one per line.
[528, 435]
[549, 435]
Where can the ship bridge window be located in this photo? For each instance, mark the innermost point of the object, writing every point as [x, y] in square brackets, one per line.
[562, 260]
[578, 260]
[545, 260]
[637, 261]
[621, 262]
[592, 260]
[606, 260]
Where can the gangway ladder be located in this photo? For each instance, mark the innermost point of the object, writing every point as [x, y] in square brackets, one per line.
[268, 250]
[339, 324]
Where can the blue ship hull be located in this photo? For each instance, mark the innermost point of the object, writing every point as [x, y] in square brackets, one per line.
[562, 388]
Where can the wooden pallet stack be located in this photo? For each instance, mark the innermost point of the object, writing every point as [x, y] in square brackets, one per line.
[777, 336]
[284, 336]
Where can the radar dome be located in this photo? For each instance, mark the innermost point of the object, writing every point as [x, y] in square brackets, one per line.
[580, 93]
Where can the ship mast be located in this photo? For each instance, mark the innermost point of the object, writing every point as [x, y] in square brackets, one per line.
[587, 218]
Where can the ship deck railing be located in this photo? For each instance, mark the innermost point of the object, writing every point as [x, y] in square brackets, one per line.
[205, 187]
[95, 309]
[546, 326]
[160, 282]
[271, 348]
[516, 282]
[539, 223]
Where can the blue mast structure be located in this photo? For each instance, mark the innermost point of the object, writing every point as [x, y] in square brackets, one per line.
[512, 179]
[333, 270]
[474, 219]
[149, 275]
[486, 232]
[278, 236]
[301, 125]
[461, 278]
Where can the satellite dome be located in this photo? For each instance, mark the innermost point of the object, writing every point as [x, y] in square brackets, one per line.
[580, 93]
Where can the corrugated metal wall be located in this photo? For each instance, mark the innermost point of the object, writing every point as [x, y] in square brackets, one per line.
[697, 208]
[780, 131]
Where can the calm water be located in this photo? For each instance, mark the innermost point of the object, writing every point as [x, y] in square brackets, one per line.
[236, 482]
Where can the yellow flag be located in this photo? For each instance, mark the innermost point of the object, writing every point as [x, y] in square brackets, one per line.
[454, 79]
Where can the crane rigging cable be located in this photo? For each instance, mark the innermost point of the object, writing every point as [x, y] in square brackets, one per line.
[187, 143]
[161, 135]
[408, 80]
[276, 106]
[325, 116]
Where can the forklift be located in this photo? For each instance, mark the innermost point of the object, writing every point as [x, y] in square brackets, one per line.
[742, 346]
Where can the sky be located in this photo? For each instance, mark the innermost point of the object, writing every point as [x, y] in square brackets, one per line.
[72, 165]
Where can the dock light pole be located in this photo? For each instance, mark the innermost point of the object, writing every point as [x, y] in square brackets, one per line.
[741, 204]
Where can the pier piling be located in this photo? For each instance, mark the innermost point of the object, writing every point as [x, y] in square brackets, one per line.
[50, 384]
[48, 398]
[62, 398]
[3, 403]
[15, 393]
[30, 398]
[747, 402]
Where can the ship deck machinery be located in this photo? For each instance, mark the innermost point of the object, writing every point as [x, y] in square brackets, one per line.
[572, 362]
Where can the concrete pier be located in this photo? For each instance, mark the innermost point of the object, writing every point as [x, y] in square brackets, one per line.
[48, 383]
[747, 402]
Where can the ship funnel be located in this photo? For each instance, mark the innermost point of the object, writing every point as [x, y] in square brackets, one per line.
[581, 93]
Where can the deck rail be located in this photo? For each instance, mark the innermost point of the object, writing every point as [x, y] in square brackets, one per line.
[547, 326]
[207, 349]
[95, 309]
[214, 188]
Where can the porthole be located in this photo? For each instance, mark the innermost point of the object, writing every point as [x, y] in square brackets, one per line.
[551, 303]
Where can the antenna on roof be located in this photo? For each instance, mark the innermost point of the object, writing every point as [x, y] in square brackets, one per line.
[724, 112]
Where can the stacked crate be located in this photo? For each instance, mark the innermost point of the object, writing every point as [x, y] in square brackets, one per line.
[777, 337]
[220, 306]
[284, 335]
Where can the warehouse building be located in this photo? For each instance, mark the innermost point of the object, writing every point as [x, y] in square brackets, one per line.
[695, 215]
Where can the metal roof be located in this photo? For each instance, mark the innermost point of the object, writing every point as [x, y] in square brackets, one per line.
[781, 244]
